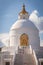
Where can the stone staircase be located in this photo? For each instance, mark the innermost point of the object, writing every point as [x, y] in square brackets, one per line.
[24, 57]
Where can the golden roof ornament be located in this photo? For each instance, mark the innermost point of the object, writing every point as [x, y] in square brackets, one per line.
[23, 10]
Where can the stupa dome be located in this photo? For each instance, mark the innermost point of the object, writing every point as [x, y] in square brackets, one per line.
[23, 23]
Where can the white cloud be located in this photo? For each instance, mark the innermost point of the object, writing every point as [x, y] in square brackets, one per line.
[4, 35]
[38, 21]
[41, 32]
[34, 17]
[4, 38]
[35, 11]
[41, 43]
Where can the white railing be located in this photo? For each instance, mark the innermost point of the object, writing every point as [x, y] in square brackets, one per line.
[30, 49]
[35, 57]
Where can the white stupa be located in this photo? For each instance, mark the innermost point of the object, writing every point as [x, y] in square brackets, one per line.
[24, 25]
[24, 35]
[23, 43]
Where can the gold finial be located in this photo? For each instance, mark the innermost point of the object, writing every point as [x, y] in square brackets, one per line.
[23, 7]
[23, 10]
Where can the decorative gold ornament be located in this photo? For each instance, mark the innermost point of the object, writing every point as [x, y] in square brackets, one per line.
[23, 10]
[24, 40]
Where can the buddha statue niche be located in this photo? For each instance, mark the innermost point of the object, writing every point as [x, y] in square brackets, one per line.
[24, 40]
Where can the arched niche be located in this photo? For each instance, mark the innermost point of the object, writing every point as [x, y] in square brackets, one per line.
[24, 40]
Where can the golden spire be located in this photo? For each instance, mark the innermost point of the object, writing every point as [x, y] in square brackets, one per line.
[23, 10]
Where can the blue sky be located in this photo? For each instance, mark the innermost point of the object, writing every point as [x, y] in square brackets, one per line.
[9, 10]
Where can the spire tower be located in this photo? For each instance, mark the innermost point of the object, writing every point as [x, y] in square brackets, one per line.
[23, 14]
